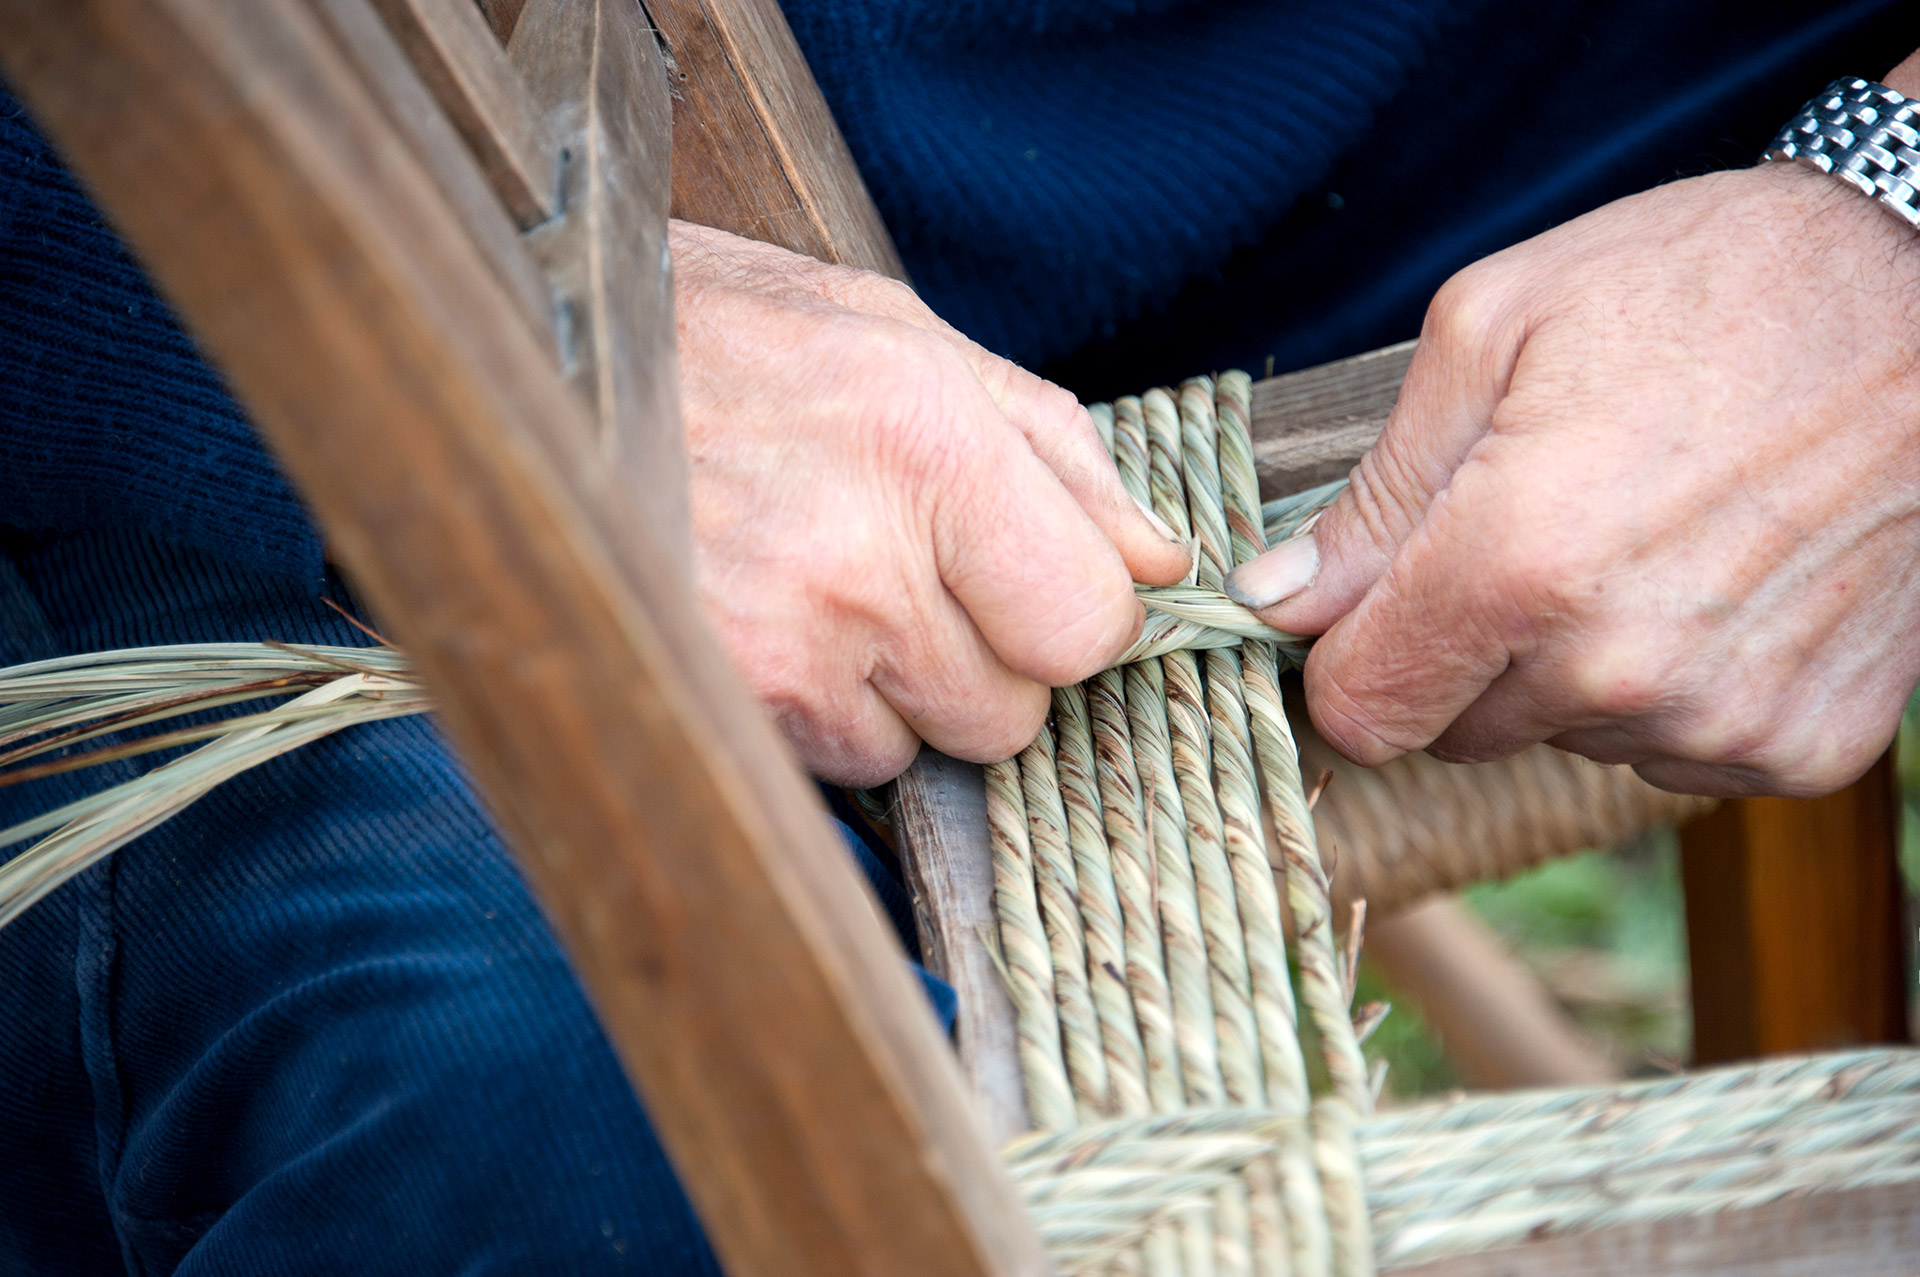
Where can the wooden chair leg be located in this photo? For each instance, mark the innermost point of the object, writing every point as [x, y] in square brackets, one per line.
[1795, 922]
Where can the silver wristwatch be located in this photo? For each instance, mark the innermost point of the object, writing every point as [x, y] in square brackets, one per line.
[1866, 135]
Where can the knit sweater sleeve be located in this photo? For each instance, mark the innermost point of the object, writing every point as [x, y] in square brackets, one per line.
[109, 416]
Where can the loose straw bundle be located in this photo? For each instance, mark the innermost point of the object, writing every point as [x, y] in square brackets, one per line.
[51, 707]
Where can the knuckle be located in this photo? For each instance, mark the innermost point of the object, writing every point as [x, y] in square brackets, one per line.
[1621, 678]
[1013, 728]
[837, 741]
[1348, 719]
[1722, 738]
[1382, 496]
[873, 292]
[1467, 308]
[1085, 631]
[1063, 408]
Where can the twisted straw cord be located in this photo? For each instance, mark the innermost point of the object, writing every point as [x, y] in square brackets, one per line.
[1277, 1074]
[1094, 1190]
[1165, 940]
[1457, 1177]
[1258, 685]
[1751, 1095]
[1059, 891]
[1420, 825]
[1099, 904]
[1023, 945]
[1188, 979]
[1453, 1178]
[1188, 732]
[1133, 870]
[1234, 1030]
[1323, 982]
[1171, 753]
[1338, 1159]
[1285, 1080]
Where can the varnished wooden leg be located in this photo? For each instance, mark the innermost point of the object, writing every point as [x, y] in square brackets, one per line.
[1795, 922]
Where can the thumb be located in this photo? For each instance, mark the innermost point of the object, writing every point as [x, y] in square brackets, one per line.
[1455, 381]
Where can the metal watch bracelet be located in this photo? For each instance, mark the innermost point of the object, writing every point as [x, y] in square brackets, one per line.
[1865, 134]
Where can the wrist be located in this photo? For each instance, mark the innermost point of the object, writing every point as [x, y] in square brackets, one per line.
[1862, 134]
[1905, 78]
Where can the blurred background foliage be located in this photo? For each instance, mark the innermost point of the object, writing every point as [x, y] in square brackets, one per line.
[1606, 932]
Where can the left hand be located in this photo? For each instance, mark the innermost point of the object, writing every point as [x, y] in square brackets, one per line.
[1651, 492]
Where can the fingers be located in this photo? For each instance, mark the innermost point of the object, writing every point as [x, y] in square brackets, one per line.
[1047, 590]
[1061, 433]
[1056, 426]
[1446, 619]
[1459, 374]
[944, 680]
[858, 739]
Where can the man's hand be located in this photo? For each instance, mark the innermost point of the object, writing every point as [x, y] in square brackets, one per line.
[1651, 492]
[900, 536]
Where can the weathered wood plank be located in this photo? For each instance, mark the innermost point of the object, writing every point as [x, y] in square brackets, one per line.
[1864, 1232]
[460, 58]
[1794, 922]
[788, 1059]
[942, 818]
[1314, 425]
[501, 15]
[411, 108]
[594, 77]
[756, 150]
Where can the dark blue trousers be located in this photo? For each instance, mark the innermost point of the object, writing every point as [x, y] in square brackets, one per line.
[316, 1024]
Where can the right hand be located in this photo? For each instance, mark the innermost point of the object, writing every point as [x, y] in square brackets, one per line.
[899, 536]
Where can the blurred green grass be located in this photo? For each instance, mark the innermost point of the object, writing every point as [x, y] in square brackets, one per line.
[1606, 932]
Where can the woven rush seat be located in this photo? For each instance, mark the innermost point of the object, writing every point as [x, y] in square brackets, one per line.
[1136, 845]
[1460, 1177]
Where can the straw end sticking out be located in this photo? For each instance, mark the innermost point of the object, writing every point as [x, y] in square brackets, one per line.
[359, 624]
[1320, 787]
[1356, 933]
[990, 941]
[1367, 1021]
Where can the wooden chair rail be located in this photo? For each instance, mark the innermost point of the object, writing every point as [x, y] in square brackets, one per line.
[794, 1072]
[456, 53]
[390, 79]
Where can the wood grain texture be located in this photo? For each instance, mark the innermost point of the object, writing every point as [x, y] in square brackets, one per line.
[941, 819]
[1498, 1023]
[787, 1057]
[1866, 1232]
[410, 107]
[460, 58]
[501, 15]
[593, 74]
[1794, 922]
[1314, 425]
[756, 150]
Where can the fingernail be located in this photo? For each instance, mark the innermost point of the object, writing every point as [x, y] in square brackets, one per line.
[1160, 525]
[1280, 573]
